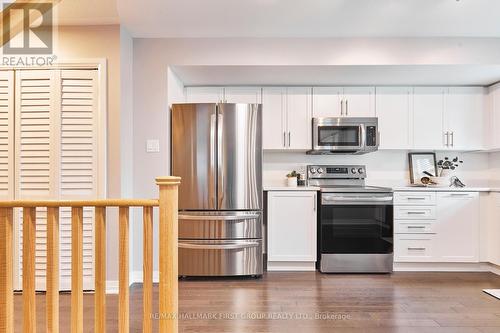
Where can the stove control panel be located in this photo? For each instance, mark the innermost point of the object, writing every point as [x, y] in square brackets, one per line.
[336, 171]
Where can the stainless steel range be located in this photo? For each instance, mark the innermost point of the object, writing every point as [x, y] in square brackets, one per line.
[355, 224]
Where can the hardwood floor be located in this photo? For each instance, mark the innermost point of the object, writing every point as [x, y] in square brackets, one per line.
[401, 302]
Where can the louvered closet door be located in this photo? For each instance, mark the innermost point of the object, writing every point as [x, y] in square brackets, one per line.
[6, 135]
[56, 157]
[78, 164]
[36, 156]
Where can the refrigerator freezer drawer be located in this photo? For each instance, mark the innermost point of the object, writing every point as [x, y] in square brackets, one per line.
[220, 225]
[220, 257]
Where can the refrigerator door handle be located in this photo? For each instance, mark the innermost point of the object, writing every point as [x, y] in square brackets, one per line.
[211, 190]
[219, 217]
[220, 161]
[230, 246]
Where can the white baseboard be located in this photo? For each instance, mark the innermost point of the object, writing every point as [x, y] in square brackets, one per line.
[136, 277]
[112, 287]
[494, 268]
[297, 266]
[442, 267]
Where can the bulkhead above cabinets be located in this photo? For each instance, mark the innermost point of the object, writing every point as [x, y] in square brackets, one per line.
[424, 117]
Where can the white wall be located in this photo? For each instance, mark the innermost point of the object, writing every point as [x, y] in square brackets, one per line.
[152, 57]
[114, 45]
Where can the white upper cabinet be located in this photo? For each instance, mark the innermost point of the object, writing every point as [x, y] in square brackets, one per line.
[327, 102]
[494, 119]
[464, 118]
[204, 94]
[340, 101]
[448, 118]
[248, 95]
[394, 112]
[273, 118]
[428, 113]
[457, 226]
[286, 118]
[227, 95]
[299, 124]
[359, 102]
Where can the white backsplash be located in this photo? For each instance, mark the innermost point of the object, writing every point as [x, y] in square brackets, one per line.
[384, 168]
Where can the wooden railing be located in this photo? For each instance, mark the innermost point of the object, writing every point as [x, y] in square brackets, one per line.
[168, 288]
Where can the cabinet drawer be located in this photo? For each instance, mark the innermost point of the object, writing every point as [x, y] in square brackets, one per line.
[413, 227]
[414, 248]
[415, 198]
[415, 212]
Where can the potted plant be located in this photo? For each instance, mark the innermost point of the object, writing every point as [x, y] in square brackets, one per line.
[444, 167]
[292, 178]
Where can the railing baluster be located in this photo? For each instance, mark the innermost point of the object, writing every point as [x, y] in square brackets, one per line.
[29, 234]
[77, 270]
[6, 289]
[52, 270]
[123, 285]
[100, 270]
[169, 293]
[147, 265]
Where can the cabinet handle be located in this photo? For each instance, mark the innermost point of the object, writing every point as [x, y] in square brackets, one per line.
[346, 107]
[289, 141]
[415, 213]
[315, 199]
[452, 138]
[284, 139]
[415, 198]
[416, 227]
[416, 248]
[459, 194]
[447, 139]
[342, 107]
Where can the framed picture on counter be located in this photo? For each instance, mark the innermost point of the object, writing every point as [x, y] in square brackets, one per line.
[422, 165]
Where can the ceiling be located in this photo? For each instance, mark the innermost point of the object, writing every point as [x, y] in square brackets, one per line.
[299, 18]
[481, 75]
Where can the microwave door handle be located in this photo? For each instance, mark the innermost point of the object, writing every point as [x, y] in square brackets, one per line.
[362, 136]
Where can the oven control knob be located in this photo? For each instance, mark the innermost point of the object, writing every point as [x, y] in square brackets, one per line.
[320, 170]
[353, 170]
[313, 170]
[361, 170]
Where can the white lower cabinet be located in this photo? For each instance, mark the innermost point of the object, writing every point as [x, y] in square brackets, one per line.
[436, 227]
[457, 226]
[291, 230]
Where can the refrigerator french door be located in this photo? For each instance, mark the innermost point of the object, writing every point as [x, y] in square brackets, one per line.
[217, 151]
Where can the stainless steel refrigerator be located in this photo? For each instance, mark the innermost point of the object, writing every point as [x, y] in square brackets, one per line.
[217, 150]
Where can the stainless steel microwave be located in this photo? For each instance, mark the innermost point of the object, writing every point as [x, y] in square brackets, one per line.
[344, 135]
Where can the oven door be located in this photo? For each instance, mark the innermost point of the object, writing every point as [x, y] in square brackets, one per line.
[331, 136]
[356, 223]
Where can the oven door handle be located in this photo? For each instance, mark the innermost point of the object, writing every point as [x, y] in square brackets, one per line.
[354, 200]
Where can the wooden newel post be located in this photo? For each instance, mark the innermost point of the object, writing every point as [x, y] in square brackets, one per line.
[169, 293]
[6, 267]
